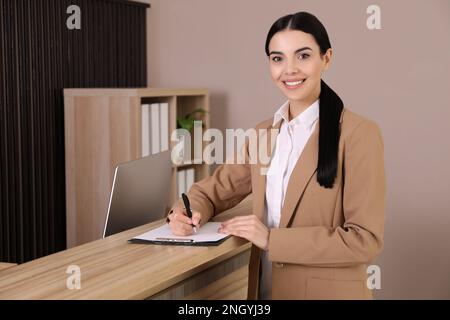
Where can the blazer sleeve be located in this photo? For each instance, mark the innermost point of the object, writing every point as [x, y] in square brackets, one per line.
[229, 185]
[360, 238]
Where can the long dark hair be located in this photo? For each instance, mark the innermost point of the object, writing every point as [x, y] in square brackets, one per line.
[330, 104]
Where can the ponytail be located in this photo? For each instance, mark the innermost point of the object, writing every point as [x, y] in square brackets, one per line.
[330, 110]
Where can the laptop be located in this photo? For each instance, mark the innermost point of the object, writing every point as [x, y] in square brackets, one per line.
[140, 192]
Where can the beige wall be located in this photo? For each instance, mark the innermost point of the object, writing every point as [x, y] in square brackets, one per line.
[397, 76]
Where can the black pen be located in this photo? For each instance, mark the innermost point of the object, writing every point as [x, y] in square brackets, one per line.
[188, 209]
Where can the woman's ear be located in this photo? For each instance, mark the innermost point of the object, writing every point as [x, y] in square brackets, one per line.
[327, 58]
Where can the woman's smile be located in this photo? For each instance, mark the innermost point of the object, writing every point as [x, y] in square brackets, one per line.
[293, 84]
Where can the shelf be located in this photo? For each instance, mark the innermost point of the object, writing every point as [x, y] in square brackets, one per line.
[103, 127]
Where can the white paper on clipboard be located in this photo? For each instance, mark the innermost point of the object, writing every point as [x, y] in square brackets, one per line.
[207, 234]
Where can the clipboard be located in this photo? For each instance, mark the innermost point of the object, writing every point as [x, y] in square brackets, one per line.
[207, 235]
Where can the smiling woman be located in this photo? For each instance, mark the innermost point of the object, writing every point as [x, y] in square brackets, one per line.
[299, 51]
[318, 215]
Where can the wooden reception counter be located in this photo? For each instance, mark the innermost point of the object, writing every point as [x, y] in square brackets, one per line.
[112, 268]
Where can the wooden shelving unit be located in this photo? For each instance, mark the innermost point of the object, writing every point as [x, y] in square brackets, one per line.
[103, 129]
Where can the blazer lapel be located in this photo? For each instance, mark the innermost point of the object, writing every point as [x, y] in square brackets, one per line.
[304, 169]
[261, 169]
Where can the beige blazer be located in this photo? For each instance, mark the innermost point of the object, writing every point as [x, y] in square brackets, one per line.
[326, 237]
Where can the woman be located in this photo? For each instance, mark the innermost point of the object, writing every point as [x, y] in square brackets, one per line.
[318, 214]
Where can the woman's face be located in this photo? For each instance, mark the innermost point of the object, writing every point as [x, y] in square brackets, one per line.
[296, 65]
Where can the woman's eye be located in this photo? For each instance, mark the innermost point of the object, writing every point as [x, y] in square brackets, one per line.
[276, 59]
[304, 55]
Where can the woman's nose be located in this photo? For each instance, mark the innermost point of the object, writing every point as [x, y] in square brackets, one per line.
[291, 67]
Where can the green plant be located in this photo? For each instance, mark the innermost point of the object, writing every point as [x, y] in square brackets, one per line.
[187, 122]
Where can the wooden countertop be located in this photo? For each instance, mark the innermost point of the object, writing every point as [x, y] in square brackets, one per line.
[4, 265]
[112, 268]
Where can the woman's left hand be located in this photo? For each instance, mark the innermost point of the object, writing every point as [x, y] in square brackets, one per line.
[248, 227]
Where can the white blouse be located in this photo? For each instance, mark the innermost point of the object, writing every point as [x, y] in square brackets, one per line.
[289, 145]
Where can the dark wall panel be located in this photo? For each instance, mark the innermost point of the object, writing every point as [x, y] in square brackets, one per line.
[39, 56]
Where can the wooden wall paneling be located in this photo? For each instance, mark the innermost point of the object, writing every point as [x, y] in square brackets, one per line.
[39, 57]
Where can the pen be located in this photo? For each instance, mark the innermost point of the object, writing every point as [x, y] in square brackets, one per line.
[175, 240]
[188, 209]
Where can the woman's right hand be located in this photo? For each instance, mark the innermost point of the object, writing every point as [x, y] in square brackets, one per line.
[180, 224]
